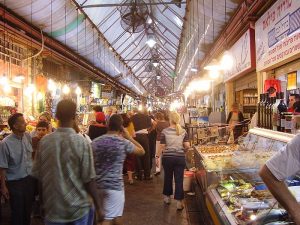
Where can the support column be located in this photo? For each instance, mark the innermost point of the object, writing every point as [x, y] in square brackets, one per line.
[229, 89]
[261, 77]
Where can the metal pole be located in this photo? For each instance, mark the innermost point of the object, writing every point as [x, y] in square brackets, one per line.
[130, 4]
[213, 96]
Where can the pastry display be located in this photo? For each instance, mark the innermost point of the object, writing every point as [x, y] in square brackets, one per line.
[217, 148]
[218, 162]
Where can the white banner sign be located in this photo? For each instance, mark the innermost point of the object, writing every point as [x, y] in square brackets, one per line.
[277, 35]
[241, 55]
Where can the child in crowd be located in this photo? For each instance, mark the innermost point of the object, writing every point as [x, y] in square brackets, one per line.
[41, 130]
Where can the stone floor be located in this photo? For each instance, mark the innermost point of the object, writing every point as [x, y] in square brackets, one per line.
[144, 205]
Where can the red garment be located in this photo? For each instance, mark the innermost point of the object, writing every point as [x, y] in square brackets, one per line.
[100, 117]
[272, 83]
[130, 162]
[291, 110]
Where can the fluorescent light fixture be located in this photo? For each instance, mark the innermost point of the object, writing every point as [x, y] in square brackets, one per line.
[110, 48]
[194, 69]
[213, 65]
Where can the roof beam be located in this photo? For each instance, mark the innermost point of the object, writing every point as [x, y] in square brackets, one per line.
[28, 32]
[143, 59]
[104, 38]
[130, 4]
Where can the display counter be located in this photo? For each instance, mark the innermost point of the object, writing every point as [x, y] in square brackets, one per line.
[228, 177]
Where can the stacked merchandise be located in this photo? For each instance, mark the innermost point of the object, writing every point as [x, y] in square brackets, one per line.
[273, 115]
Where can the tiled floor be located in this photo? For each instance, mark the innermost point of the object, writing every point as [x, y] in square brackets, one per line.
[144, 205]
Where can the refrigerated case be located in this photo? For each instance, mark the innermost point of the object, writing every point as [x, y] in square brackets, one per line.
[228, 177]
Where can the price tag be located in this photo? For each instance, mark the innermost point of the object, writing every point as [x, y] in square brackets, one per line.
[214, 131]
[201, 133]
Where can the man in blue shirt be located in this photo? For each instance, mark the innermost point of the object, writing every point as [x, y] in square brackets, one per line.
[15, 167]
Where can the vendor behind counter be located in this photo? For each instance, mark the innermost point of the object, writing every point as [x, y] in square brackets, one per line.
[235, 119]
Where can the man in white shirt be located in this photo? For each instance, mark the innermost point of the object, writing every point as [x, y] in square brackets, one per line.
[284, 164]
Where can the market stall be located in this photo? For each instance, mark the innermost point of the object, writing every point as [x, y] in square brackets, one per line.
[227, 176]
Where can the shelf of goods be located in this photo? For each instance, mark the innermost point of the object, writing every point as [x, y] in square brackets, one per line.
[227, 177]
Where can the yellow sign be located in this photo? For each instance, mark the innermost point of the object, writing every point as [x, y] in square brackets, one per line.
[292, 81]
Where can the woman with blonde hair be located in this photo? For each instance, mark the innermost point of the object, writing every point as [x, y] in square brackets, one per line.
[174, 143]
[161, 124]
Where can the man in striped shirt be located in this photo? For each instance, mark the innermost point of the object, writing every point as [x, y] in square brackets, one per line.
[65, 168]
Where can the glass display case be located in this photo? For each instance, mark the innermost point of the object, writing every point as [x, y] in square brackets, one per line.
[228, 177]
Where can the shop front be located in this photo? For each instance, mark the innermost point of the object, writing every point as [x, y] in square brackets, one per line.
[227, 175]
[240, 79]
[278, 51]
[12, 80]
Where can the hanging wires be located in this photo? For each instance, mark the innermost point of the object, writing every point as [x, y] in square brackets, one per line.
[31, 44]
[77, 22]
[213, 19]
[204, 22]
[65, 22]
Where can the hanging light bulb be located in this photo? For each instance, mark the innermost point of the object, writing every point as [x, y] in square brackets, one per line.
[151, 41]
[3, 81]
[18, 79]
[155, 63]
[29, 90]
[253, 217]
[51, 85]
[214, 74]
[78, 91]
[194, 69]
[213, 65]
[39, 96]
[149, 21]
[7, 89]
[66, 89]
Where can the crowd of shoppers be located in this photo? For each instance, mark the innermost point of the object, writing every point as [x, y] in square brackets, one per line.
[77, 177]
